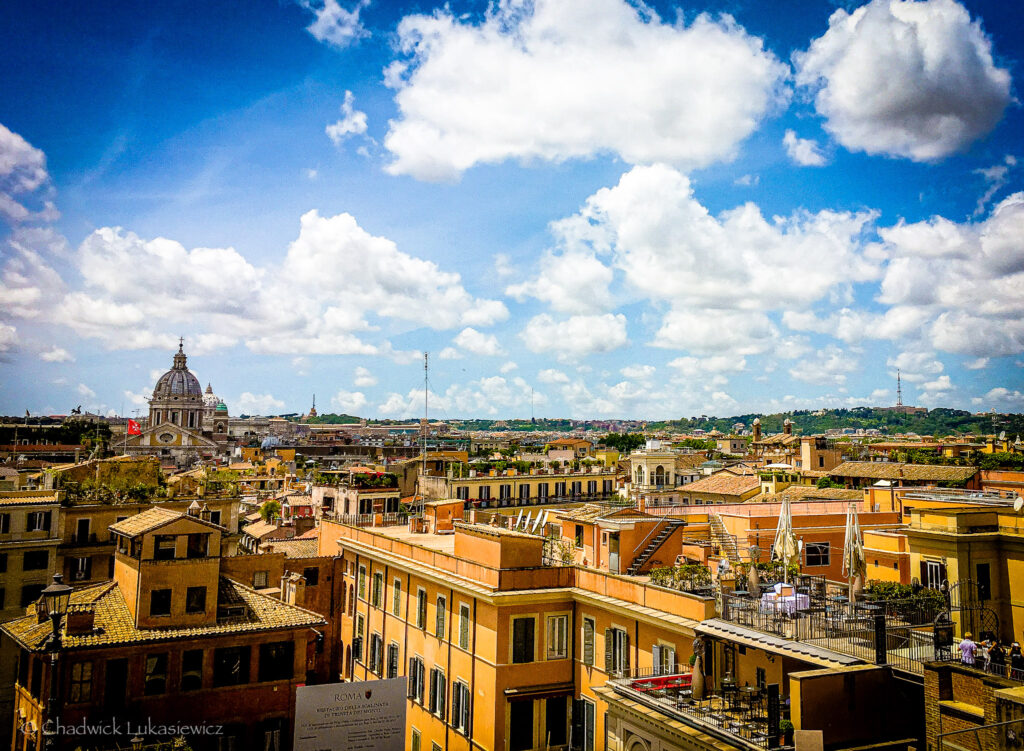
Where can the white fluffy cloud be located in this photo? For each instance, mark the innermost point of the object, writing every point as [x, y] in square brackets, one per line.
[256, 404]
[363, 377]
[550, 375]
[915, 367]
[962, 281]
[803, 151]
[349, 401]
[342, 283]
[569, 282]
[56, 354]
[352, 122]
[908, 79]
[575, 337]
[478, 343]
[828, 366]
[8, 338]
[1003, 399]
[23, 176]
[557, 79]
[334, 25]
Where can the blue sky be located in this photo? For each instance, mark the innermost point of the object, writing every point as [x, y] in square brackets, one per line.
[602, 208]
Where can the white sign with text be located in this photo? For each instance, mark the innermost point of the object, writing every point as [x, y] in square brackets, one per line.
[362, 716]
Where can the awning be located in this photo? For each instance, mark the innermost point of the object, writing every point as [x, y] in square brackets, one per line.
[750, 637]
[552, 689]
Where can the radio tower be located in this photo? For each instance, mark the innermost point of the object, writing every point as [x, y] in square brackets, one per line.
[899, 390]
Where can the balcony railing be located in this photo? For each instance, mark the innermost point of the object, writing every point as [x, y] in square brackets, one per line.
[745, 717]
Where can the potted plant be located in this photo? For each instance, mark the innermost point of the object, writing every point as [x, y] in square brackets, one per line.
[786, 728]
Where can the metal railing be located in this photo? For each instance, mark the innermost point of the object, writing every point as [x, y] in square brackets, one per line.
[744, 718]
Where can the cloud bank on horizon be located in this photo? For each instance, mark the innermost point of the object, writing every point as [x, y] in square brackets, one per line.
[694, 224]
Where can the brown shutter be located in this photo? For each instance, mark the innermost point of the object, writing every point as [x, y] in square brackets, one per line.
[608, 650]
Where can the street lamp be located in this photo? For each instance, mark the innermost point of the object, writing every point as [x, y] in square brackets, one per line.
[137, 742]
[56, 599]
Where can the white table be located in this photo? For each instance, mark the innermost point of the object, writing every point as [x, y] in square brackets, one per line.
[773, 603]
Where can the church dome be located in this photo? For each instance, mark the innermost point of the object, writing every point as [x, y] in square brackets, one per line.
[221, 407]
[210, 399]
[178, 381]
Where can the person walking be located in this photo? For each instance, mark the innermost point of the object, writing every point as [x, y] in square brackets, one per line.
[968, 649]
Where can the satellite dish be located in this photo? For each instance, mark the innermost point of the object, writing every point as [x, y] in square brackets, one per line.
[1018, 504]
[519, 518]
[526, 522]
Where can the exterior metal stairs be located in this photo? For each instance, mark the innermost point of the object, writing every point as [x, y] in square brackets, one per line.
[721, 537]
[656, 542]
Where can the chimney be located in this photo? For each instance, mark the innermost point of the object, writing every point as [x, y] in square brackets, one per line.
[193, 509]
[204, 513]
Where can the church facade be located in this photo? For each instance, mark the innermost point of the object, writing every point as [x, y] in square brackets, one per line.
[184, 424]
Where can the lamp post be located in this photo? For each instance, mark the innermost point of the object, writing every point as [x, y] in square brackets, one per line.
[56, 598]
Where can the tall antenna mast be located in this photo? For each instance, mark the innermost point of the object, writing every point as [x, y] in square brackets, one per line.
[899, 390]
[426, 418]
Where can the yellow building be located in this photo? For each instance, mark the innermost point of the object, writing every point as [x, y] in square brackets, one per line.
[497, 489]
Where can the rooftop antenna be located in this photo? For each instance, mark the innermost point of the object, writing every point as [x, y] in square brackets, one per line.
[899, 390]
[423, 431]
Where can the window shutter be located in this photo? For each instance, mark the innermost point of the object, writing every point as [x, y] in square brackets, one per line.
[412, 678]
[46, 520]
[625, 652]
[456, 704]
[467, 714]
[433, 690]
[588, 642]
[670, 655]
[924, 573]
[442, 693]
[608, 651]
[656, 659]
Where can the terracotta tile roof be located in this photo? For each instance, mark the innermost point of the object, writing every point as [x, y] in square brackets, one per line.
[259, 529]
[146, 521]
[723, 483]
[809, 493]
[113, 624]
[27, 497]
[588, 512]
[313, 534]
[295, 547]
[901, 471]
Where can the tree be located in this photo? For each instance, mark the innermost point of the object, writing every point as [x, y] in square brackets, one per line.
[828, 482]
[270, 510]
[624, 442]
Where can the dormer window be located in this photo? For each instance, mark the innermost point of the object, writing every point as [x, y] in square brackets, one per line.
[163, 549]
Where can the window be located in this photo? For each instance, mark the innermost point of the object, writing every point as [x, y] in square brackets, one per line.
[396, 597]
[522, 639]
[761, 677]
[460, 708]
[421, 608]
[357, 643]
[5, 523]
[215, 517]
[933, 573]
[30, 593]
[35, 560]
[984, 581]
[192, 670]
[163, 549]
[156, 674]
[377, 593]
[3, 562]
[312, 576]
[577, 487]
[592, 487]
[560, 489]
[362, 582]
[81, 682]
[438, 692]
[38, 521]
[439, 619]
[277, 661]
[520, 725]
[606, 487]
[588, 641]
[817, 553]
[415, 740]
[260, 579]
[464, 619]
[160, 602]
[231, 666]
[198, 546]
[556, 721]
[579, 535]
[485, 492]
[504, 491]
[557, 637]
[524, 493]
[195, 600]
[416, 679]
[664, 659]
[462, 493]
[542, 491]
[376, 656]
[393, 660]
[81, 568]
[616, 651]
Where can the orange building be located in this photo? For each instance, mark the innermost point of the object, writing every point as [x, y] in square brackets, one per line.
[169, 641]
